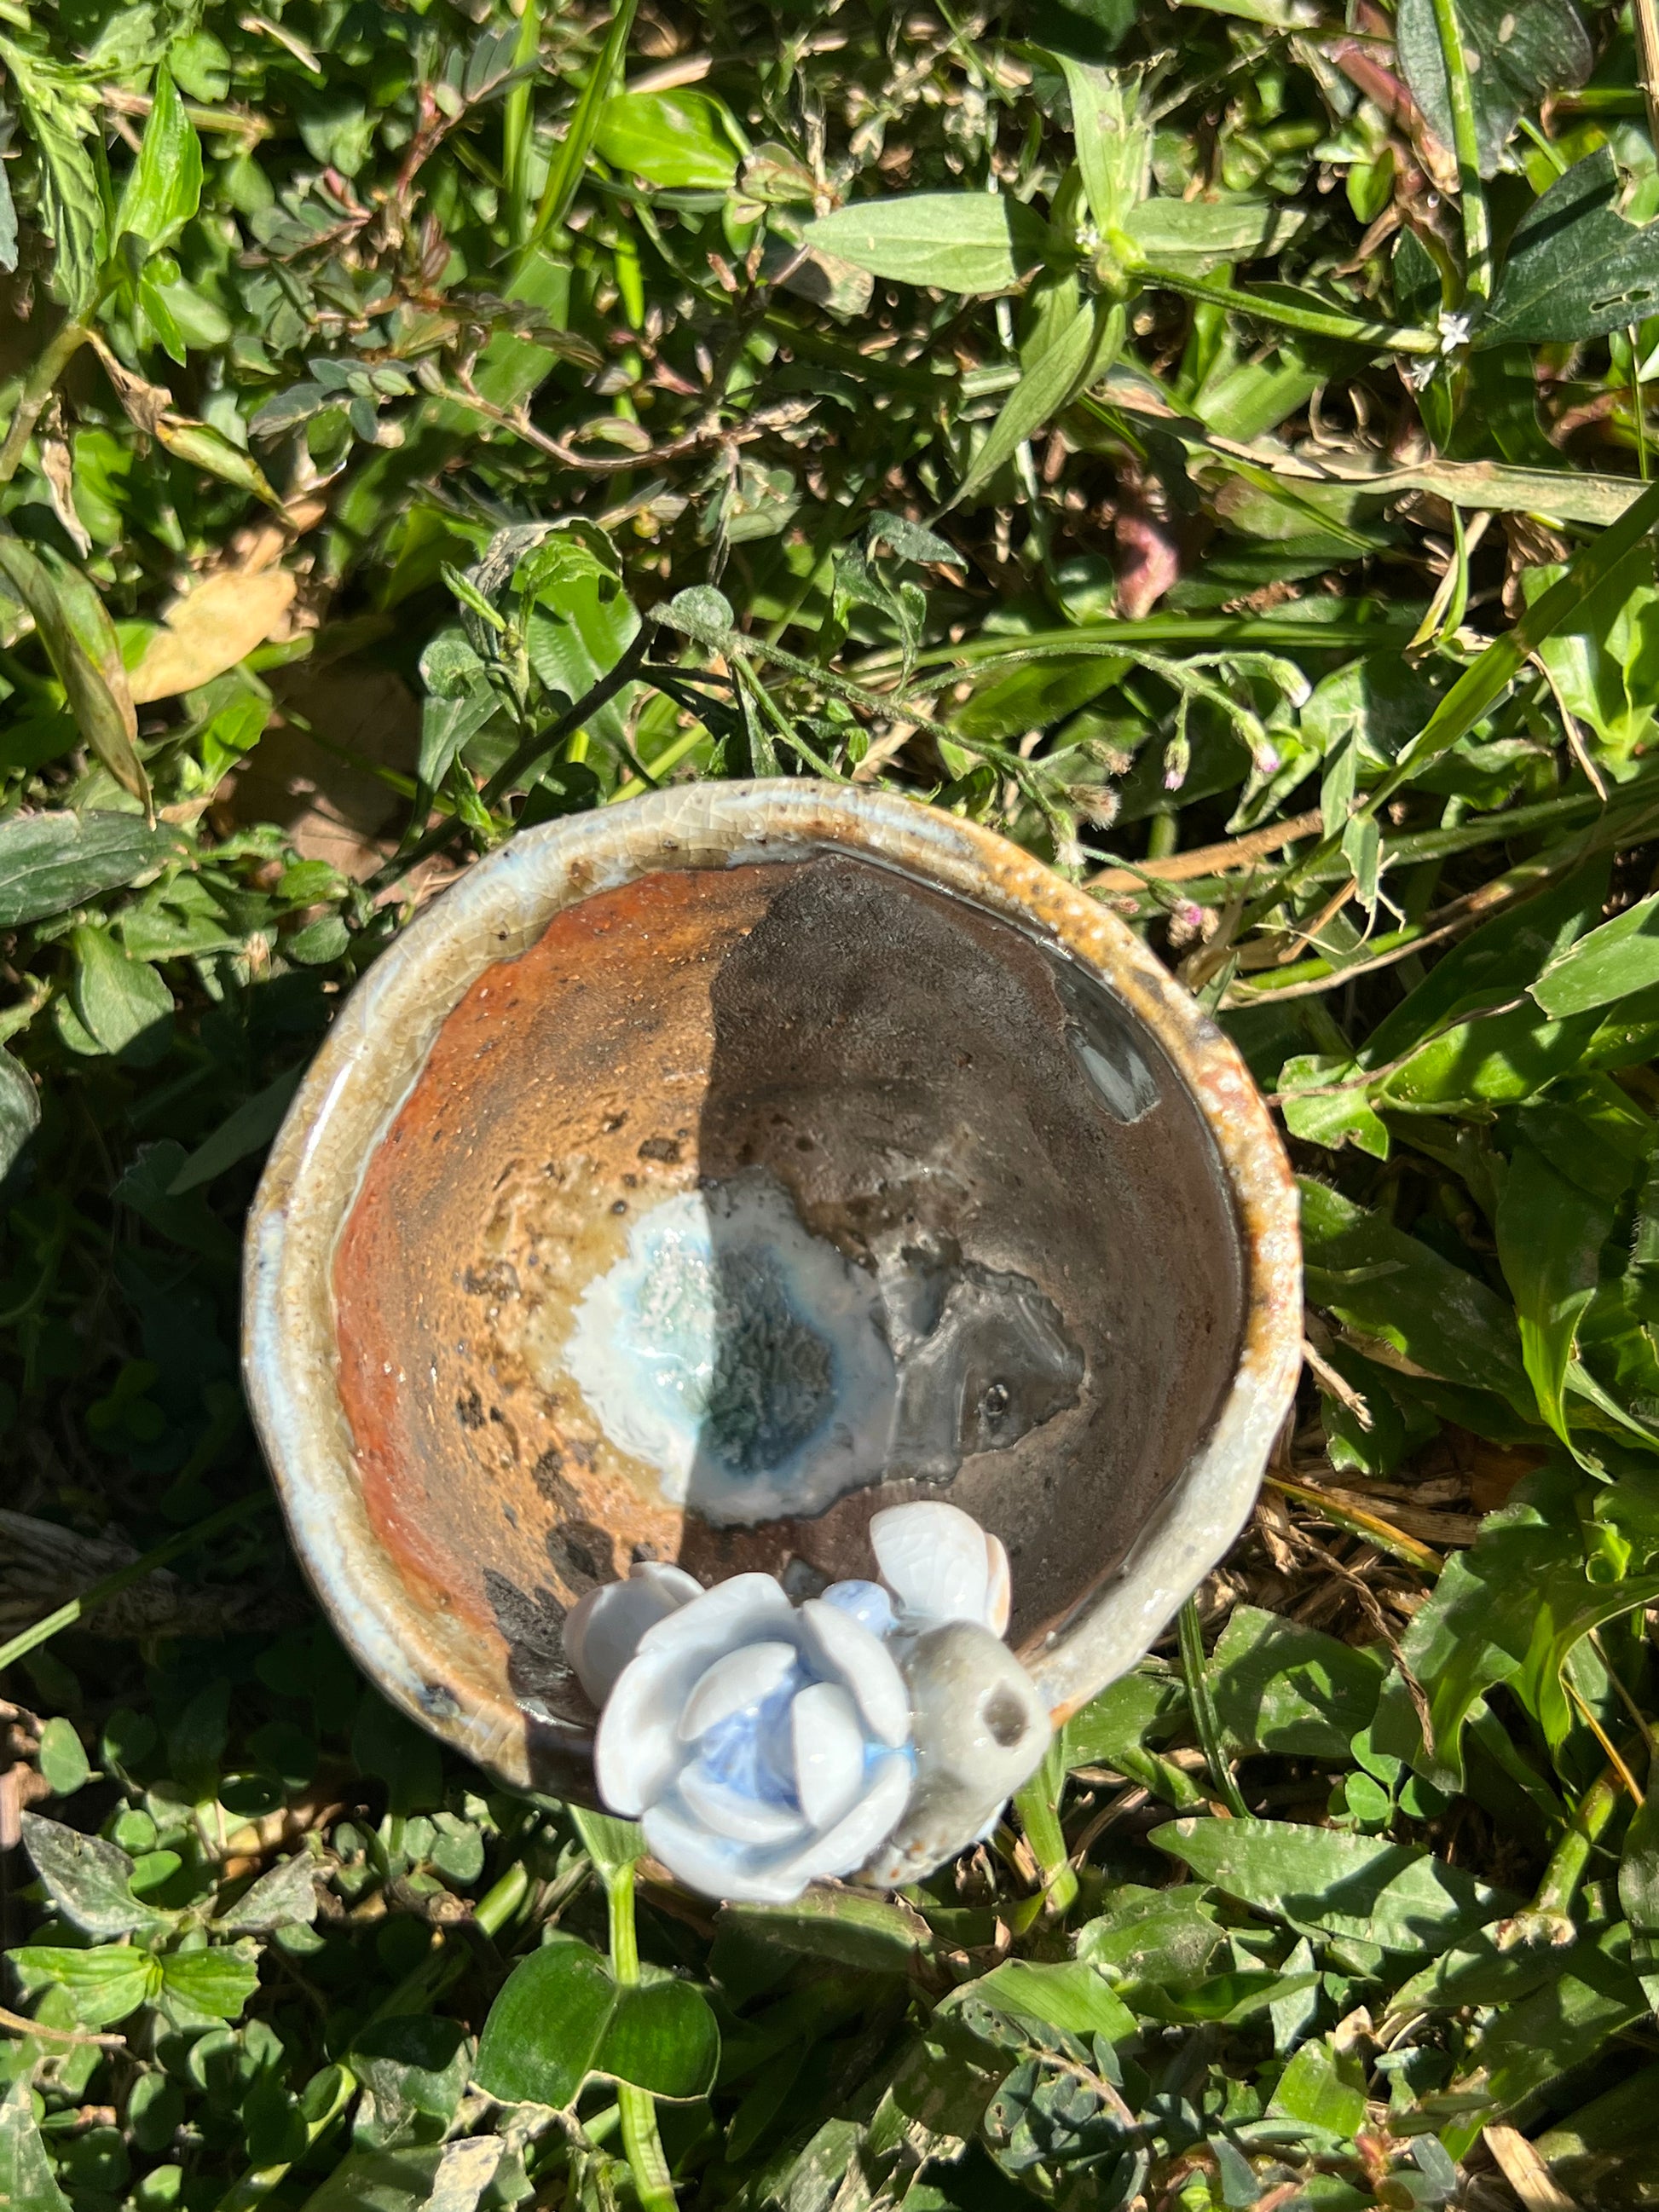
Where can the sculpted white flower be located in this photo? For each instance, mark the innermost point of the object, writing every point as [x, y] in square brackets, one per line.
[763, 1746]
[760, 1745]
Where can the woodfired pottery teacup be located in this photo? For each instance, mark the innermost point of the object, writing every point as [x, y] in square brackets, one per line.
[907, 1153]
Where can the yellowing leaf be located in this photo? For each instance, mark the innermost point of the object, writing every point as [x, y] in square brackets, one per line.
[211, 629]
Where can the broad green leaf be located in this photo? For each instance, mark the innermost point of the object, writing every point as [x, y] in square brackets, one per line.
[104, 1985]
[1620, 957]
[118, 1000]
[1528, 2045]
[677, 138]
[81, 643]
[1192, 237]
[975, 242]
[284, 1897]
[414, 2070]
[561, 2017]
[19, 1111]
[877, 1935]
[26, 2182]
[1071, 1996]
[1550, 1235]
[1166, 1938]
[1518, 54]
[218, 1982]
[1084, 350]
[1313, 2088]
[62, 1757]
[1033, 696]
[164, 186]
[1281, 1687]
[89, 1880]
[1323, 1099]
[8, 224]
[1576, 268]
[1398, 1292]
[1357, 1888]
[1510, 1610]
[446, 2177]
[1467, 1054]
[1113, 146]
[52, 862]
[1122, 1717]
[61, 113]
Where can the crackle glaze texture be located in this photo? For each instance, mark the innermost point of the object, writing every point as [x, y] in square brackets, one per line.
[959, 1073]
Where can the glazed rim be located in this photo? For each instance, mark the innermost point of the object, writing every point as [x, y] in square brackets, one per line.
[374, 1055]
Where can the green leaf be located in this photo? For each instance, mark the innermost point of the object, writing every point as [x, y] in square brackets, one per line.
[1357, 1888]
[1639, 1893]
[1550, 1235]
[876, 1935]
[27, 2184]
[1114, 148]
[200, 446]
[61, 113]
[562, 2017]
[1398, 1292]
[81, 643]
[1338, 1111]
[62, 1757]
[104, 1985]
[1283, 1688]
[1071, 1996]
[414, 2070]
[1312, 2089]
[679, 138]
[1528, 2046]
[1518, 54]
[1192, 237]
[19, 1108]
[1620, 957]
[246, 1130]
[164, 186]
[284, 1897]
[1510, 1610]
[1576, 268]
[974, 242]
[217, 1981]
[89, 1880]
[120, 1000]
[1082, 351]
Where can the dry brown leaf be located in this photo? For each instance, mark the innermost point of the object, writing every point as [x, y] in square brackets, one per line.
[210, 629]
[1526, 2171]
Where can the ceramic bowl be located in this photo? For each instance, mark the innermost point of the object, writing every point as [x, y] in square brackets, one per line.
[961, 1194]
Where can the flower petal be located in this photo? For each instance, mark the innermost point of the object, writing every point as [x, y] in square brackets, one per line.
[932, 1558]
[744, 1677]
[603, 1631]
[867, 1602]
[636, 1753]
[733, 1814]
[846, 1847]
[842, 1651]
[715, 1868]
[828, 1748]
[999, 1589]
[741, 1611]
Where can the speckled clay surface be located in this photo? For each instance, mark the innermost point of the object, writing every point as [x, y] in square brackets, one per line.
[896, 1016]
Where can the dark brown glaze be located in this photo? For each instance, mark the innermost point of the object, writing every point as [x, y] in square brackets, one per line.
[904, 1063]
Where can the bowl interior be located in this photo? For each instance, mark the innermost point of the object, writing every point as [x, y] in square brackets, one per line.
[935, 1213]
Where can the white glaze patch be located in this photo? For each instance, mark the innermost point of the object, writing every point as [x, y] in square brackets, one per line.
[739, 1356]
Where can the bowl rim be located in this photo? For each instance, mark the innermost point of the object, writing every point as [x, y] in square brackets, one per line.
[428, 1664]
